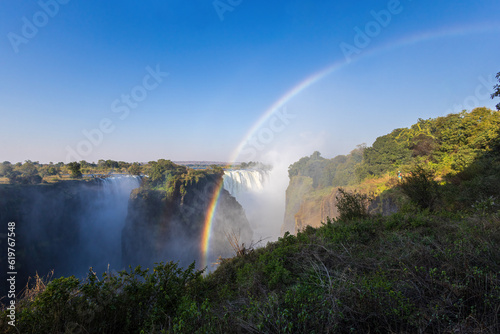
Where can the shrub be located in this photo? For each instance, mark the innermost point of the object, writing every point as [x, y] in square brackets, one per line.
[352, 205]
[421, 188]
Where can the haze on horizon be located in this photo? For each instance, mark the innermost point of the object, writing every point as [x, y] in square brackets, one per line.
[191, 81]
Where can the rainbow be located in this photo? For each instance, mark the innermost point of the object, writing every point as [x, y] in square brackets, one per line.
[207, 225]
[319, 75]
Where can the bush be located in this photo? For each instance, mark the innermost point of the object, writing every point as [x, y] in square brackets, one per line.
[352, 205]
[421, 188]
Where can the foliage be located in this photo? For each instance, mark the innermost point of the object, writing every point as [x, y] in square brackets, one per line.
[462, 149]
[496, 92]
[127, 302]
[254, 165]
[386, 153]
[419, 185]
[352, 205]
[135, 169]
[75, 170]
[405, 273]
[49, 170]
[7, 170]
[339, 171]
[26, 173]
[164, 171]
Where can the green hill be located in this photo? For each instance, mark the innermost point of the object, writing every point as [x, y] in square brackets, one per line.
[460, 152]
[405, 273]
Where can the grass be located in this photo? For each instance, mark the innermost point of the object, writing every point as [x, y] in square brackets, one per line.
[405, 273]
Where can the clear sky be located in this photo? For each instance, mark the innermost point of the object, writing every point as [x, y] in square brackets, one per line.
[197, 80]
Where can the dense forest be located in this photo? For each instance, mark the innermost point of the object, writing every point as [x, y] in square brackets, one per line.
[431, 267]
[459, 151]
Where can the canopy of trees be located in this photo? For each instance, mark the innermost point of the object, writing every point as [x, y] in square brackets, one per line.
[496, 92]
[449, 144]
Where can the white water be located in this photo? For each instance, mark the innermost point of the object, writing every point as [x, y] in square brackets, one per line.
[101, 227]
[262, 198]
[240, 181]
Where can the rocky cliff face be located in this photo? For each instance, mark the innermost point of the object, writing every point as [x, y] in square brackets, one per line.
[306, 206]
[298, 187]
[161, 227]
[46, 227]
[315, 208]
[66, 227]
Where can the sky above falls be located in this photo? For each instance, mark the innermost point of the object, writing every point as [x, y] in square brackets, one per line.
[234, 80]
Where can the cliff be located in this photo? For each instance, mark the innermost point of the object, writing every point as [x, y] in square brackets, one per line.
[298, 187]
[168, 226]
[315, 209]
[306, 206]
[50, 228]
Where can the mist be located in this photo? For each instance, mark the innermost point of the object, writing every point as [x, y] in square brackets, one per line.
[102, 221]
[67, 227]
[261, 194]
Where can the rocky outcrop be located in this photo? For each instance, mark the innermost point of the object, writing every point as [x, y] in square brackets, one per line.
[315, 209]
[298, 187]
[306, 206]
[51, 222]
[161, 227]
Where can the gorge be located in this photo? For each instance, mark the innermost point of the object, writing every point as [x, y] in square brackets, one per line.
[113, 222]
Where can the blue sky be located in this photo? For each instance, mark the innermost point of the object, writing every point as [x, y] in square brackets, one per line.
[88, 79]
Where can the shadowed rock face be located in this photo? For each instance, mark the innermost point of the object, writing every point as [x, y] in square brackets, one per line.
[73, 225]
[161, 227]
[307, 207]
[46, 227]
[66, 227]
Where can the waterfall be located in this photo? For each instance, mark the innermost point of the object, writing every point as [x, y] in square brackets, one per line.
[261, 193]
[238, 181]
[255, 190]
[102, 224]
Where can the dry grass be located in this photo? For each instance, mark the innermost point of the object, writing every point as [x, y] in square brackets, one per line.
[40, 284]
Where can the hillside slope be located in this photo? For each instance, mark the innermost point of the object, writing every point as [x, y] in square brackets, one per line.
[461, 150]
[405, 273]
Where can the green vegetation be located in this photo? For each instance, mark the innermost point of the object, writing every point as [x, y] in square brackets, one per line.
[339, 171]
[421, 188]
[496, 92]
[254, 165]
[447, 144]
[75, 170]
[26, 173]
[135, 169]
[34, 172]
[405, 273]
[174, 179]
[352, 205]
[448, 163]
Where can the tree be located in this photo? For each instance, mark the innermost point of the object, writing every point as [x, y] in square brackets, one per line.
[161, 170]
[6, 170]
[217, 168]
[75, 169]
[135, 169]
[29, 173]
[112, 164]
[496, 93]
[386, 154]
[421, 188]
